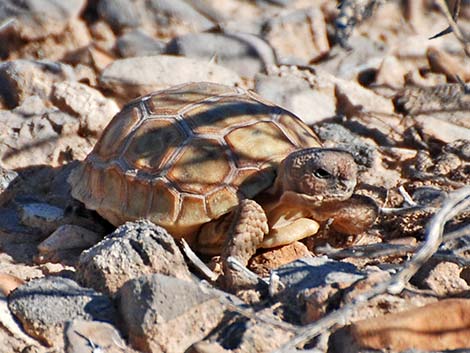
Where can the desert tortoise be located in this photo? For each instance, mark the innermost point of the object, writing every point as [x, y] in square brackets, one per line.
[204, 160]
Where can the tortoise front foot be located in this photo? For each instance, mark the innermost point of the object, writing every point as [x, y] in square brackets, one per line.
[247, 230]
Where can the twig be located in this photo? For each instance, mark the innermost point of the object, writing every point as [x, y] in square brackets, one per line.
[453, 25]
[455, 203]
[410, 204]
[196, 261]
[6, 23]
[407, 197]
[236, 305]
[267, 319]
[370, 251]
[447, 256]
[275, 284]
[465, 86]
[96, 348]
[211, 276]
[401, 210]
[457, 233]
[262, 47]
[239, 267]
[455, 15]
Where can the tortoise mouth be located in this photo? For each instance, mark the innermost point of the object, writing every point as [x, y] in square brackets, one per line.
[312, 202]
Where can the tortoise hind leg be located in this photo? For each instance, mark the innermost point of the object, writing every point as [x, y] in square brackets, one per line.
[248, 227]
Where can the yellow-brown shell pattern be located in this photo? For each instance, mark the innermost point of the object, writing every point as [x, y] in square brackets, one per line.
[187, 155]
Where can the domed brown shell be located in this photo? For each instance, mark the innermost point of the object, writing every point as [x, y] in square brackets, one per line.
[184, 156]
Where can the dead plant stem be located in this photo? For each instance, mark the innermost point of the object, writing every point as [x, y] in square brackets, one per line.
[456, 202]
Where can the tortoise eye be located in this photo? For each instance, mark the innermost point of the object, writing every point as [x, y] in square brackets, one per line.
[321, 173]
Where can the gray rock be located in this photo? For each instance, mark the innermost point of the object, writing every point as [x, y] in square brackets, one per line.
[44, 137]
[31, 106]
[245, 335]
[10, 324]
[94, 111]
[65, 242]
[338, 136]
[138, 43]
[134, 77]
[11, 229]
[7, 178]
[156, 16]
[80, 335]
[36, 19]
[243, 53]
[299, 36]
[445, 279]
[431, 127]
[366, 54]
[43, 306]
[20, 79]
[429, 196]
[314, 272]
[311, 104]
[69, 236]
[133, 250]
[12, 336]
[310, 284]
[460, 148]
[354, 99]
[43, 216]
[350, 97]
[43, 184]
[167, 314]
[119, 13]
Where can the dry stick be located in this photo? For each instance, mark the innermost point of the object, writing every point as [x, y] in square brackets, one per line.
[455, 15]
[369, 251]
[455, 28]
[457, 233]
[456, 202]
[372, 251]
[256, 316]
[196, 261]
[410, 204]
[210, 275]
[453, 258]
[386, 249]
[6, 23]
[403, 210]
[245, 272]
[407, 197]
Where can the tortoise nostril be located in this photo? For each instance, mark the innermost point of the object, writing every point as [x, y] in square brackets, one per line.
[345, 185]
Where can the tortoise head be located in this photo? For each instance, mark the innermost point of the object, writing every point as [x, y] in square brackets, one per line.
[317, 175]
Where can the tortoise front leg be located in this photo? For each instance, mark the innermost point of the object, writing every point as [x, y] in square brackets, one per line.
[246, 232]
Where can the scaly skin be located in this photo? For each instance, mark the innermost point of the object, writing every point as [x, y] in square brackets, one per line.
[312, 185]
[248, 228]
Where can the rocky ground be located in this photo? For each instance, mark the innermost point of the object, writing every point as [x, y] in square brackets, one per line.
[371, 82]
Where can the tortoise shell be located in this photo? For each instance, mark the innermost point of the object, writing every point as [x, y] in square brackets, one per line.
[187, 155]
